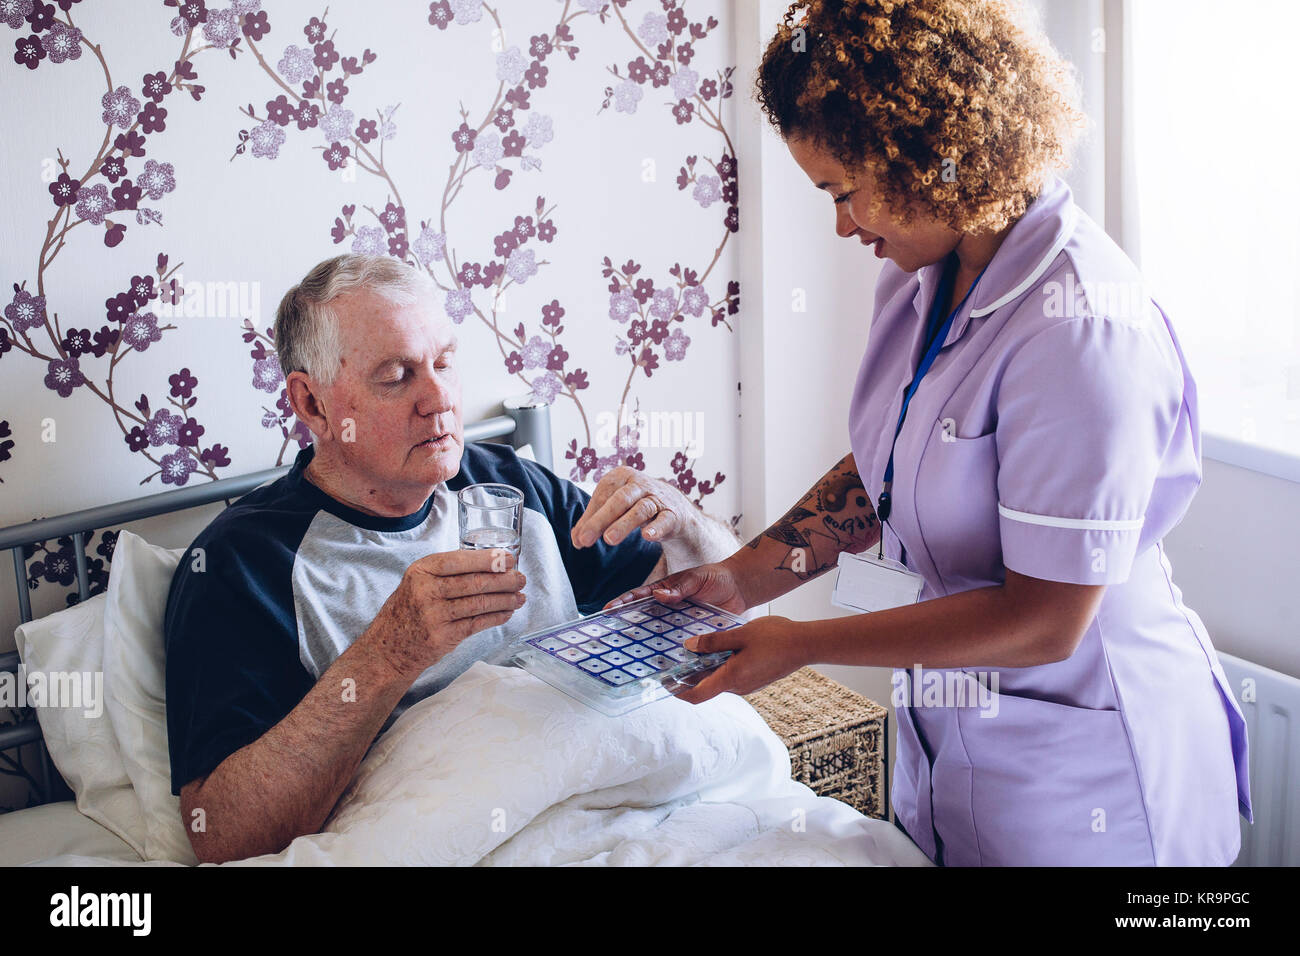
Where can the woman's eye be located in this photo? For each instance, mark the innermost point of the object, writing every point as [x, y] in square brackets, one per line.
[840, 199]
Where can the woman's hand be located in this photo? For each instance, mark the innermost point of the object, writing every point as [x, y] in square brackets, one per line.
[714, 584]
[766, 649]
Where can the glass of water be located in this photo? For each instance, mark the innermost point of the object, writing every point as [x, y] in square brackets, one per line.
[491, 516]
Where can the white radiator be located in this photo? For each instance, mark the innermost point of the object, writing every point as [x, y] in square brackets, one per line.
[1273, 728]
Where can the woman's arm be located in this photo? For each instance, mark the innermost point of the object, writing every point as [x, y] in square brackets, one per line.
[1021, 623]
[835, 515]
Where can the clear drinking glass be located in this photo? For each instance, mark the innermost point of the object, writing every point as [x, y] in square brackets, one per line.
[491, 516]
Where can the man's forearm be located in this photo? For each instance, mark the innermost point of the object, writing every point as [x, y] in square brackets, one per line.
[286, 783]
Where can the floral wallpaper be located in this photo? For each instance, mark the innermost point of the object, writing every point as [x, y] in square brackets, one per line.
[562, 169]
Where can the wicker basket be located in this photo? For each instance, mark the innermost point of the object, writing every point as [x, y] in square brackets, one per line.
[836, 737]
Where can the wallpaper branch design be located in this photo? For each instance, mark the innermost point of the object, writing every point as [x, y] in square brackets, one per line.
[28, 327]
[310, 93]
[500, 135]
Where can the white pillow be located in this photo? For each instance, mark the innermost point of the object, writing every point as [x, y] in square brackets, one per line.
[135, 684]
[84, 748]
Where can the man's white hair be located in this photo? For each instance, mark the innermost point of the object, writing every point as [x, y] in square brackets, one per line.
[307, 327]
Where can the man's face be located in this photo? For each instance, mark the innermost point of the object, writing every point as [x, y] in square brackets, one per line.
[920, 243]
[399, 383]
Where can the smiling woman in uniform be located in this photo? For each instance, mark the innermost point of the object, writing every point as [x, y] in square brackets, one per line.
[1019, 449]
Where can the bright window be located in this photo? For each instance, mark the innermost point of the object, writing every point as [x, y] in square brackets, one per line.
[1217, 150]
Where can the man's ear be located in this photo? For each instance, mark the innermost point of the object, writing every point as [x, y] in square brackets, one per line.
[307, 403]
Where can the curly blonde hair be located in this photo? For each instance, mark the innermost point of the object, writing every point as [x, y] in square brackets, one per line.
[956, 108]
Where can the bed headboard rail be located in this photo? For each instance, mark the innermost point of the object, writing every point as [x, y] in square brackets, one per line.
[524, 423]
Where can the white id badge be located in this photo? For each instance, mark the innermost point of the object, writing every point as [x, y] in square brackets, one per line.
[870, 583]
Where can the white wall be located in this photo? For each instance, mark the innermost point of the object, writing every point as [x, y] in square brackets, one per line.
[1234, 557]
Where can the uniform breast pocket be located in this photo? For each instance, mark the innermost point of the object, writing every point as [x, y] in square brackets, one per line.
[957, 508]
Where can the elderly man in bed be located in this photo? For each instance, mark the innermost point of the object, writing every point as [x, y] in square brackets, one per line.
[336, 597]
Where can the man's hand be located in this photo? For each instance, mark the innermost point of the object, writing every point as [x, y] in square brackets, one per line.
[627, 499]
[443, 599]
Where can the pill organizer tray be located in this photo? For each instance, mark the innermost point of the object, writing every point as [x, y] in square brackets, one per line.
[625, 657]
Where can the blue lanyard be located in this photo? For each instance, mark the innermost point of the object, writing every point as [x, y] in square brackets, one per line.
[940, 296]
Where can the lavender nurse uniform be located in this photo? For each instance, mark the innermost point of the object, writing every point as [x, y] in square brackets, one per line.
[1057, 434]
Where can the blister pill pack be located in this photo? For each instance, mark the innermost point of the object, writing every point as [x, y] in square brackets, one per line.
[625, 657]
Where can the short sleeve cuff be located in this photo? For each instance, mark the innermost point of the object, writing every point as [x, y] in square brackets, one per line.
[1070, 550]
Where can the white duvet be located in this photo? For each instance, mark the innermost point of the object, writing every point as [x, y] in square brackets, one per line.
[500, 769]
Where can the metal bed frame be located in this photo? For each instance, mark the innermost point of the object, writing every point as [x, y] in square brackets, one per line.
[524, 423]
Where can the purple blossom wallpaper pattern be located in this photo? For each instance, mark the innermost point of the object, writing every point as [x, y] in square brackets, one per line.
[311, 109]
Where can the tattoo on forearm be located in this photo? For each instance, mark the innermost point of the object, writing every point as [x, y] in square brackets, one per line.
[835, 515]
[787, 529]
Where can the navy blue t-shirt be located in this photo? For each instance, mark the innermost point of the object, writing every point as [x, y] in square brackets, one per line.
[291, 577]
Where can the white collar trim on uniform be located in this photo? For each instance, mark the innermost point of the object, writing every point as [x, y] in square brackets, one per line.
[1036, 273]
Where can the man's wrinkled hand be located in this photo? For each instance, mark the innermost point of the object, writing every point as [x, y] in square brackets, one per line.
[444, 598]
[627, 499]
